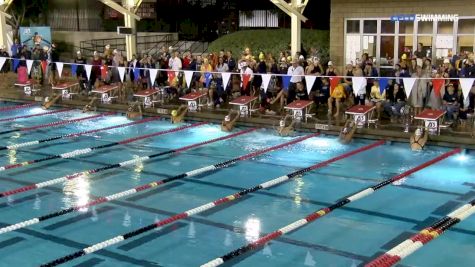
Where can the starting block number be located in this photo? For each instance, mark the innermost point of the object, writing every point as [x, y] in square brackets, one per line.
[360, 120]
[27, 90]
[320, 126]
[105, 98]
[432, 126]
[298, 114]
[192, 106]
[243, 110]
[66, 94]
[147, 101]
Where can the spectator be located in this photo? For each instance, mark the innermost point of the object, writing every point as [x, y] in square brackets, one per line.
[220, 87]
[377, 97]
[80, 70]
[395, 100]
[331, 71]
[15, 49]
[231, 61]
[96, 70]
[296, 72]
[419, 91]
[360, 93]
[246, 70]
[450, 102]
[133, 64]
[420, 53]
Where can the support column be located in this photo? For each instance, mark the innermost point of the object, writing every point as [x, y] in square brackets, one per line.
[130, 40]
[3, 28]
[296, 30]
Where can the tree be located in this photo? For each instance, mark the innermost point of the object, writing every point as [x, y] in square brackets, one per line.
[26, 12]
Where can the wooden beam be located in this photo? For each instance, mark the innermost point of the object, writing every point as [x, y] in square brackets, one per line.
[8, 3]
[5, 14]
[137, 5]
[304, 5]
[288, 9]
[119, 8]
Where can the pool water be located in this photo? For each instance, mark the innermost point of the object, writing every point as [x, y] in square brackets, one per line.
[349, 236]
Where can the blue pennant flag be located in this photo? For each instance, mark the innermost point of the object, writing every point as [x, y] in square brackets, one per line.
[136, 74]
[16, 62]
[74, 69]
[286, 81]
[383, 82]
[208, 77]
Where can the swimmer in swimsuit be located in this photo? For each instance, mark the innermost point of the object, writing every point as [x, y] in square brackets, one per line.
[90, 106]
[134, 111]
[419, 140]
[48, 103]
[179, 114]
[347, 132]
[284, 130]
[228, 123]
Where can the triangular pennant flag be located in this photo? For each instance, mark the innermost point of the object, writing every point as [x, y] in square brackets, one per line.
[2, 62]
[226, 76]
[74, 69]
[466, 84]
[437, 85]
[309, 81]
[245, 80]
[358, 83]
[136, 74]
[59, 66]
[153, 75]
[104, 72]
[44, 65]
[265, 81]
[334, 81]
[208, 77]
[88, 69]
[121, 73]
[171, 76]
[383, 82]
[16, 62]
[286, 81]
[29, 64]
[188, 77]
[408, 84]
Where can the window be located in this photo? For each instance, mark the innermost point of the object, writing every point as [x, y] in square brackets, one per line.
[426, 44]
[466, 43]
[352, 26]
[369, 45]
[386, 51]
[370, 26]
[405, 45]
[466, 26]
[445, 27]
[387, 26]
[406, 27]
[425, 27]
[353, 48]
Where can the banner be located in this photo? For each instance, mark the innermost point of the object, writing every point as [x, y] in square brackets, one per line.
[383, 82]
[245, 80]
[226, 76]
[74, 69]
[208, 78]
[408, 84]
[466, 84]
[59, 66]
[265, 81]
[32, 36]
[44, 65]
[2, 62]
[334, 81]
[121, 73]
[286, 82]
[153, 75]
[188, 77]
[29, 64]
[437, 85]
[136, 74]
[88, 69]
[358, 83]
[310, 80]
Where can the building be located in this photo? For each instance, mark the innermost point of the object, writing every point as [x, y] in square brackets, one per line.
[386, 29]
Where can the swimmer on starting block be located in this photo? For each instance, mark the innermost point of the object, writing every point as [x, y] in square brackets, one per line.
[90, 106]
[49, 102]
[179, 114]
[347, 132]
[285, 130]
[228, 123]
[419, 139]
[134, 110]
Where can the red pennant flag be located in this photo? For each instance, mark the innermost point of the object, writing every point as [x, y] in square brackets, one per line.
[334, 81]
[437, 85]
[245, 80]
[44, 65]
[104, 72]
[171, 76]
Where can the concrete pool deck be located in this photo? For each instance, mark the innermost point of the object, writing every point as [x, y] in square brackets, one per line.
[449, 137]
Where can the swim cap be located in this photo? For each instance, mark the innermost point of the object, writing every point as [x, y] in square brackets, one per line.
[418, 132]
[174, 112]
[282, 123]
[227, 118]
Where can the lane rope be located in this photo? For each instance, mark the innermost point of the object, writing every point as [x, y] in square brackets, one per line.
[36, 115]
[428, 234]
[322, 212]
[55, 124]
[116, 165]
[194, 211]
[3, 109]
[83, 151]
[31, 143]
[131, 191]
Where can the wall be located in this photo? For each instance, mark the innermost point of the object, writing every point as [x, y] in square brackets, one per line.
[341, 9]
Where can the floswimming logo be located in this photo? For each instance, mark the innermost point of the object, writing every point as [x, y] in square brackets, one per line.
[437, 17]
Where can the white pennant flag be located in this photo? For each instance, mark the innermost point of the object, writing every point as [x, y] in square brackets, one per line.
[59, 66]
[153, 75]
[358, 83]
[29, 64]
[121, 73]
[188, 77]
[265, 81]
[309, 81]
[2, 62]
[408, 84]
[88, 69]
[466, 84]
[226, 76]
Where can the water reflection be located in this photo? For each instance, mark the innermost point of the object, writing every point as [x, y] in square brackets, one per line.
[76, 192]
[252, 229]
[299, 183]
[12, 159]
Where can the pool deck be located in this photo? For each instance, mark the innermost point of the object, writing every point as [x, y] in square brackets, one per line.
[449, 137]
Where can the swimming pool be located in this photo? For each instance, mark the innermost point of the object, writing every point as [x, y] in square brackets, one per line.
[349, 236]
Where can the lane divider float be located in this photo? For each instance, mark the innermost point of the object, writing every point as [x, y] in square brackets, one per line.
[83, 151]
[72, 135]
[194, 211]
[55, 123]
[428, 234]
[8, 108]
[122, 164]
[36, 115]
[125, 193]
[322, 212]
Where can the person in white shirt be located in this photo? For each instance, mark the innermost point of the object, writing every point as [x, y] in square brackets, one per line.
[174, 63]
[297, 72]
[246, 70]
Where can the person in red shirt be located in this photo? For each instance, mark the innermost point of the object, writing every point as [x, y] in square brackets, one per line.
[186, 60]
